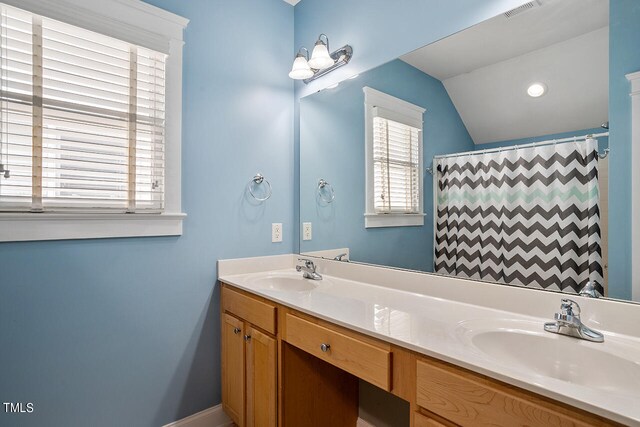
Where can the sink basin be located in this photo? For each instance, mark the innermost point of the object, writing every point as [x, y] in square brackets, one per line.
[284, 282]
[612, 366]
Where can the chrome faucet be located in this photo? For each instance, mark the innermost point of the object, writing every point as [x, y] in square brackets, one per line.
[568, 323]
[589, 290]
[341, 257]
[309, 269]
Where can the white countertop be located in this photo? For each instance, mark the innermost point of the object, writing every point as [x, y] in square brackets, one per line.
[442, 328]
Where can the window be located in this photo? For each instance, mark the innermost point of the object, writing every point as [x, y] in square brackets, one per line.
[84, 121]
[396, 167]
[394, 161]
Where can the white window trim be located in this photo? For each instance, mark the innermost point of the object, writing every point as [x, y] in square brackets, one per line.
[634, 79]
[374, 98]
[143, 24]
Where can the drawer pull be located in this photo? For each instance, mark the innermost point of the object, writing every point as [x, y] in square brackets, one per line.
[247, 337]
[325, 347]
[237, 330]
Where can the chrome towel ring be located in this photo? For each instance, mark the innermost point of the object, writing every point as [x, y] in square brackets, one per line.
[604, 154]
[258, 179]
[327, 198]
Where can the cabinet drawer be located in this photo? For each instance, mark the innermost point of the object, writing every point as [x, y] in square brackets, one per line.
[364, 360]
[424, 421]
[468, 399]
[258, 313]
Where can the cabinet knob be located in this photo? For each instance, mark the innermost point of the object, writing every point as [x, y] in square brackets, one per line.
[236, 330]
[325, 347]
[247, 337]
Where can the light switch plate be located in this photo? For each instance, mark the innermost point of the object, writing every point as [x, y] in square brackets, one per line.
[276, 232]
[306, 231]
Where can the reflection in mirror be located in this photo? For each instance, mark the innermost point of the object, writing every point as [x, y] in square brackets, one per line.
[482, 155]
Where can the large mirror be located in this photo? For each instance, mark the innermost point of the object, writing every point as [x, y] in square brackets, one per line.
[483, 155]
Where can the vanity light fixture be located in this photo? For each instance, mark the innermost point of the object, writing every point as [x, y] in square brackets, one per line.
[321, 61]
[301, 69]
[536, 90]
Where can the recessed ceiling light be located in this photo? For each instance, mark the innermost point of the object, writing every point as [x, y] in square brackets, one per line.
[536, 90]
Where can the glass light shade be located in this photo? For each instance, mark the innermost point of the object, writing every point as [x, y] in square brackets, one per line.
[320, 58]
[300, 69]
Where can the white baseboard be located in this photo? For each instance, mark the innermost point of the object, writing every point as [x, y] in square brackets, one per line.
[211, 417]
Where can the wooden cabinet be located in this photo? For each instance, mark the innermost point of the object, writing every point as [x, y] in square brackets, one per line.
[249, 361]
[256, 312]
[367, 360]
[261, 391]
[233, 367]
[421, 420]
[284, 368]
[469, 399]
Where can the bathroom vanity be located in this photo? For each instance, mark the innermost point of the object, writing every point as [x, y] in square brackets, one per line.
[293, 350]
[445, 161]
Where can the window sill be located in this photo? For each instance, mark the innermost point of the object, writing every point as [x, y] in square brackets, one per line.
[393, 220]
[17, 227]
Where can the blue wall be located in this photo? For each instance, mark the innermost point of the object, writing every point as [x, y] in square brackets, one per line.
[126, 331]
[624, 58]
[333, 148]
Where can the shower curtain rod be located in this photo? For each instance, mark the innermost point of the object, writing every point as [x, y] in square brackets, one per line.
[515, 147]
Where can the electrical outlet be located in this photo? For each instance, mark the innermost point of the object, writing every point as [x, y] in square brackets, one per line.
[276, 232]
[306, 231]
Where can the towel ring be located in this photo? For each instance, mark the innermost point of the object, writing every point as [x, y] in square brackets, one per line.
[324, 184]
[604, 154]
[257, 180]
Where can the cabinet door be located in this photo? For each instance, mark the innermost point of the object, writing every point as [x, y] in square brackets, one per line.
[233, 368]
[261, 379]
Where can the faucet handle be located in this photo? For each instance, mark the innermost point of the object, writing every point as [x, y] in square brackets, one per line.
[570, 307]
[307, 263]
[589, 290]
[339, 257]
[569, 310]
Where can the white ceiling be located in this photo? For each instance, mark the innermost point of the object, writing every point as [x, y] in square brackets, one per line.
[487, 68]
[293, 2]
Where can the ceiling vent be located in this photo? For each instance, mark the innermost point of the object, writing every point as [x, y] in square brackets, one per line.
[518, 10]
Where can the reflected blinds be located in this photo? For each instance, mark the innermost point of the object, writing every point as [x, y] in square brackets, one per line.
[82, 119]
[396, 166]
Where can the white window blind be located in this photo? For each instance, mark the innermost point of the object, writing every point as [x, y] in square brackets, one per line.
[82, 119]
[396, 167]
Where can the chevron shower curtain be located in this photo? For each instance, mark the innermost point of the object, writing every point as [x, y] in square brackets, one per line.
[526, 216]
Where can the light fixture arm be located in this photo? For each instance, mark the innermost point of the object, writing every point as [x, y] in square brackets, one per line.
[341, 57]
[320, 40]
[305, 55]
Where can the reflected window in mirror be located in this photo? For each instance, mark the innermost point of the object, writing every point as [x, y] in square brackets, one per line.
[393, 133]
